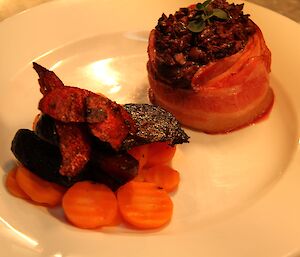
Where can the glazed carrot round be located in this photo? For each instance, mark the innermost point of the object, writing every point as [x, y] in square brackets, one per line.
[90, 205]
[162, 175]
[159, 153]
[116, 221]
[144, 205]
[140, 153]
[12, 185]
[39, 190]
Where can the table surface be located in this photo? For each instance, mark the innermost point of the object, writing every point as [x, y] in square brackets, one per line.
[289, 8]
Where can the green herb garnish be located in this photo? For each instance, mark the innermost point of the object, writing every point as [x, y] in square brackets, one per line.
[204, 13]
[201, 6]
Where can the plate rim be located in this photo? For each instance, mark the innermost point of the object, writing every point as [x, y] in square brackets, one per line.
[16, 20]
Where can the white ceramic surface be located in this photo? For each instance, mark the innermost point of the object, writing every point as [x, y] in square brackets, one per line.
[239, 193]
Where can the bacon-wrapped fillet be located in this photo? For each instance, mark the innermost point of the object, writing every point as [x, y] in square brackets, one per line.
[222, 95]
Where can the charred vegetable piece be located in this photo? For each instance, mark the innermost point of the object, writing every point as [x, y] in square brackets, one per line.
[153, 124]
[40, 157]
[46, 130]
[101, 176]
[96, 106]
[65, 104]
[121, 166]
[114, 129]
[47, 79]
[74, 146]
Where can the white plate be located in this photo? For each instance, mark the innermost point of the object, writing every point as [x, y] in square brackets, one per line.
[239, 193]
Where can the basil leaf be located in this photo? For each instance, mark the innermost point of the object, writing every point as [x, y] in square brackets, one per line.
[201, 6]
[206, 3]
[196, 25]
[203, 15]
[220, 14]
[209, 13]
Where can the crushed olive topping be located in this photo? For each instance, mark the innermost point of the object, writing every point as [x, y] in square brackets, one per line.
[180, 51]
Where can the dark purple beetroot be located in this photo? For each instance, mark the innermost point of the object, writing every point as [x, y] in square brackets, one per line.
[40, 157]
[120, 166]
[46, 130]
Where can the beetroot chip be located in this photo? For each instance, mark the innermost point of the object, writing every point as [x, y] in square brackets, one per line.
[47, 79]
[65, 104]
[96, 106]
[115, 128]
[74, 146]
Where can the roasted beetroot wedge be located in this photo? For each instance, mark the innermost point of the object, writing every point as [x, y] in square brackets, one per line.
[40, 157]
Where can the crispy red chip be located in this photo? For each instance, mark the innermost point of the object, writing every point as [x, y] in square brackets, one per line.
[114, 128]
[96, 108]
[74, 146]
[48, 80]
[65, 104]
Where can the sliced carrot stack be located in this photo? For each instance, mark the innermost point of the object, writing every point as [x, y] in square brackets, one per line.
[39, 190]
[143, 202]
[163, 176]
[12, 185]
[144, 205]
[90, 205]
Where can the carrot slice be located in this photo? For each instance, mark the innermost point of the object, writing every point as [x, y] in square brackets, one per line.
[39, 190]
[90, 205]
[144, 205]
[162, 175]
[12, 185]
[116, 221]
[140, 153]
[159, 153]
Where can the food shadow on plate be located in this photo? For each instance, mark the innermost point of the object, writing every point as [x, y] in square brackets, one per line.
[6, 161]
[57, 213]
[8, 165]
